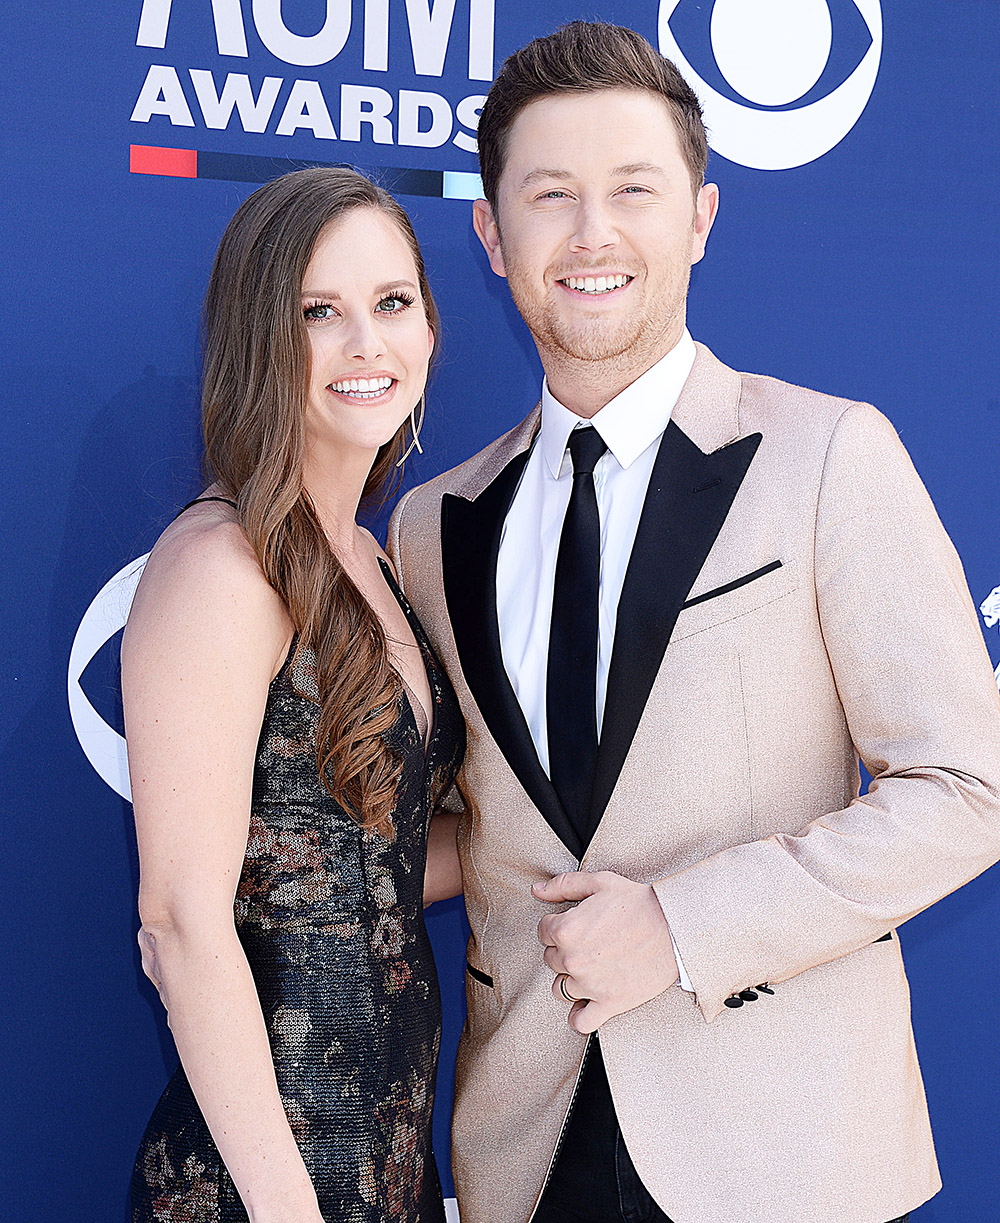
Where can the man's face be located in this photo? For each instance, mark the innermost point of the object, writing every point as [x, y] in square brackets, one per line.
[598, 226]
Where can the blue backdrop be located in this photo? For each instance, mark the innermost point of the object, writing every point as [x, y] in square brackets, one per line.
[856, 251]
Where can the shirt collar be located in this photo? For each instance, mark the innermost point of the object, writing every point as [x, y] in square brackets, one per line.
[631, 421]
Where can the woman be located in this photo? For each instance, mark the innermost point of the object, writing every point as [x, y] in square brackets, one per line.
[289, 734]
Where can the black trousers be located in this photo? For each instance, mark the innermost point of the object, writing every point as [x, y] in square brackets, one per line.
[593, 1180]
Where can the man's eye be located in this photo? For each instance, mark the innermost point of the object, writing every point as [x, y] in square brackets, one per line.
[395, 304]
[554, 194]
[317, 313]
[634, 189]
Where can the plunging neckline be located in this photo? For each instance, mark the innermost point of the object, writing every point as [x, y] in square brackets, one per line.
[412, 700]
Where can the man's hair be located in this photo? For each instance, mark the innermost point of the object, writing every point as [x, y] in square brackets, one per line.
[585, 57]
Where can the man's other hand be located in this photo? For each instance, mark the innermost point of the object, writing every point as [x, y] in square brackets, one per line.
[611, 952]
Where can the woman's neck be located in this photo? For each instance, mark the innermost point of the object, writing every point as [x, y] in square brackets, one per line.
[335, 482]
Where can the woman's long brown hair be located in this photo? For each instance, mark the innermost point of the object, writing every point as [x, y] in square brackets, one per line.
[254, 390]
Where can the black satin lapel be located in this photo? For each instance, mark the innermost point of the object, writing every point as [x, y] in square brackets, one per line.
[470, 541]
[689, 496]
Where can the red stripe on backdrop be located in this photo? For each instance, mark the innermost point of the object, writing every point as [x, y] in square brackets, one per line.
[176, 163]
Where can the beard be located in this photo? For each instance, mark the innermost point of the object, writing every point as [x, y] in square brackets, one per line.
[621, 340]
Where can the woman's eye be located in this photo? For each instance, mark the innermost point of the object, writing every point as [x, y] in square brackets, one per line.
[318, 312]
[394, 304]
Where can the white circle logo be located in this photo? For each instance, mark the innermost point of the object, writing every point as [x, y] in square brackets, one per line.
[773, 53]
[103, 746]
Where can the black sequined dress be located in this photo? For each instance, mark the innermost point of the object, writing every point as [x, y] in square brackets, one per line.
[331, 920]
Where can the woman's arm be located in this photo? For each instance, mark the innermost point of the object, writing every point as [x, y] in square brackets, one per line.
[205, 635]
[443, 877]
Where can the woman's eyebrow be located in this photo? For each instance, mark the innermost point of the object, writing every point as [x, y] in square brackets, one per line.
[379, 289]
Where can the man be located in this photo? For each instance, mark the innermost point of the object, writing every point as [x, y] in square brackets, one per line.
[670, 603]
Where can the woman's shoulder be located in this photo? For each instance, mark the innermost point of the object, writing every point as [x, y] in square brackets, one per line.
[380, 553]
[203, 578]
[205, 547]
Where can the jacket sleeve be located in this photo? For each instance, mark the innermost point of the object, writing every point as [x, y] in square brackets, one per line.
[923, 710]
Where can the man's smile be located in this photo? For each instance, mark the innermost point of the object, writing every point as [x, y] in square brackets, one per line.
[596, 285]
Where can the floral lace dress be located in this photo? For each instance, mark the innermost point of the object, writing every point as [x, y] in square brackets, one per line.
[331, 920]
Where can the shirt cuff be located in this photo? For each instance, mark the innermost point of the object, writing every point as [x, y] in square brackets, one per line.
[685, 980]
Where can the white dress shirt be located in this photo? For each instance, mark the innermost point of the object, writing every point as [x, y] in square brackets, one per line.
[631, 424]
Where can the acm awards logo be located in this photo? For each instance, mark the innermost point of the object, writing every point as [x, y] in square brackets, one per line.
[328, 108]
[782, 82]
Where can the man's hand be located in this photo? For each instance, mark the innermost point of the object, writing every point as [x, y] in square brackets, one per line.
[612, 952]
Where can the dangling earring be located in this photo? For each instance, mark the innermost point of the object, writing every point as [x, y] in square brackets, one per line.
[415, 426]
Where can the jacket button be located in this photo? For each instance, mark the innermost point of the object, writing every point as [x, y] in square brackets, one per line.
[748, 995]
[764, 989]
[733, 1002]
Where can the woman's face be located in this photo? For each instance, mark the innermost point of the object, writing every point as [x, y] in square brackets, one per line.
[369, 339]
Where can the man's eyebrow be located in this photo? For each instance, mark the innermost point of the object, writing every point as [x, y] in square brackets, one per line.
[541, 173]
[626, 171]
[636, 167]
[379, 289]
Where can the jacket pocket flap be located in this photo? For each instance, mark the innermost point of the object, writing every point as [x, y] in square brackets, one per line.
[482, 977]
[707, 608]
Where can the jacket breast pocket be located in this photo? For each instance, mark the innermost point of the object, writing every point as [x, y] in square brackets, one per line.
[713, 602]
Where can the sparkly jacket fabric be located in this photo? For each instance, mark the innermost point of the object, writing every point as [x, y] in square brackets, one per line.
[792, 603]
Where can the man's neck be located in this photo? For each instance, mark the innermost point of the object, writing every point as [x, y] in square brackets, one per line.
[584, 387]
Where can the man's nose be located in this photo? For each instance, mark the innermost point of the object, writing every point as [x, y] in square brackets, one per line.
[594, 229]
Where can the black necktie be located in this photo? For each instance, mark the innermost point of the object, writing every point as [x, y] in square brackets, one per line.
[571, 687]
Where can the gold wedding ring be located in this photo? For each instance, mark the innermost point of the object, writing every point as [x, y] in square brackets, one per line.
[563, 978]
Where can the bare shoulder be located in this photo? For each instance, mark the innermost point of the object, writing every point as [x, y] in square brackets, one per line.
[202, 587]
[379, 551]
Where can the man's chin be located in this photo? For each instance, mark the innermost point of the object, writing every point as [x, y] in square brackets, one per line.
[595, 344]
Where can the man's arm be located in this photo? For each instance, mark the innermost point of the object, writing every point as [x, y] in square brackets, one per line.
[924, 713]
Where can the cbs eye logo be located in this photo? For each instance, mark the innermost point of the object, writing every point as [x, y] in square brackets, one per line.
[103, 746]
[781, 81]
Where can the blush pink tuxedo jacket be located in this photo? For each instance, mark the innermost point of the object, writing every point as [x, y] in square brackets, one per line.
[792, 603]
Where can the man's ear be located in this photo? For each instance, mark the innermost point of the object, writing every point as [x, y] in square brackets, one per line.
[488, 232]
[706, 208]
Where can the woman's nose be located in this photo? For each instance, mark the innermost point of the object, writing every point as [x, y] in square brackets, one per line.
[364, 341]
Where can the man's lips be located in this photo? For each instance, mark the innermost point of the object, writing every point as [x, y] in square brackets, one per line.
[604, 285]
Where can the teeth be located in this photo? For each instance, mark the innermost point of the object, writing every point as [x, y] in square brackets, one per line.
[598, 284]
[370, 388]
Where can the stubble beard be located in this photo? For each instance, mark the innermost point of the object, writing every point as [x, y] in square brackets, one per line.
[632, 342]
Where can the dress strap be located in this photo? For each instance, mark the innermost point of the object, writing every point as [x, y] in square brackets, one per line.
[199, 500]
